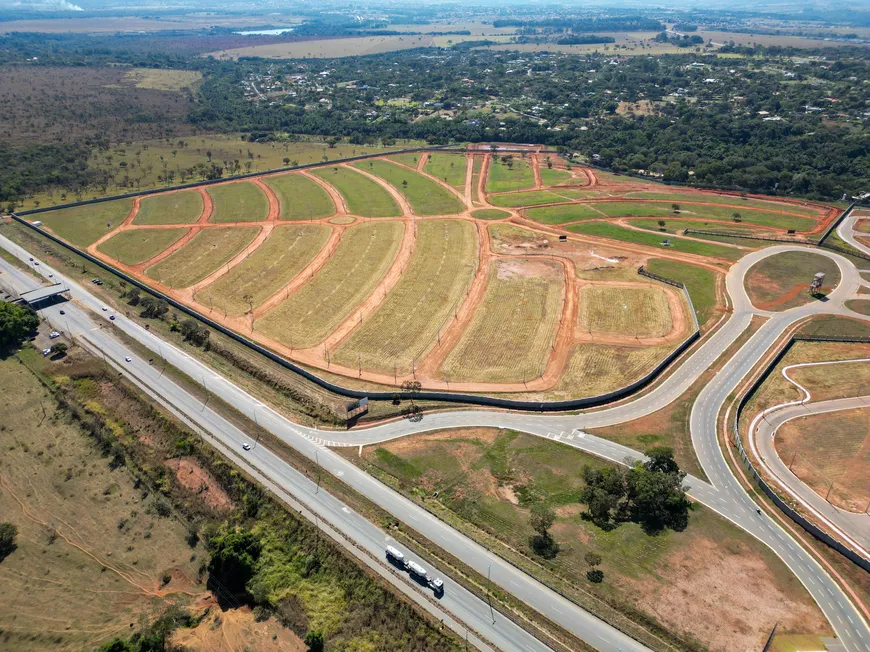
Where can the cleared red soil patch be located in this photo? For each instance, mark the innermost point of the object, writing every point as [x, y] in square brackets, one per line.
[193, 477]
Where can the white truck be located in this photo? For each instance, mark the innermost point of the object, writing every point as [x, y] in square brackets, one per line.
[396, 555]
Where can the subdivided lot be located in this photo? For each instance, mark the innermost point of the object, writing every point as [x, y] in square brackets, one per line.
[410, 159]
[407, 324]
[363, 196]
[615, 232]
[782, 281]
[822, 449]
[513, 329]
[206, 252]
[700, 283]
[426, 197]
[563, 214]
[679, 225]
[490, 214]
[287, 250]
[300, 198]
[84, 225]
[363, 256]
[712, 585]
[596, 369]
[551, 177]
[628, 311]
[502, 178]
[182, 207]
[731, 200]
[241, 201]
[136, 246]
[475, 178]
[528, 198]
[92, 550]
[450, 168]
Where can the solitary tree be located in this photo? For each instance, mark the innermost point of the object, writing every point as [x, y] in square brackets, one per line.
[675, 208]
[541, 520]
[736, 217]
[59, 349]
[661, 225]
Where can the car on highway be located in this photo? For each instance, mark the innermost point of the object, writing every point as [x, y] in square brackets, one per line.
[104, 309]
[31, 259]
[437, 585]
[36, 262]
[112, 317]
[246, 446]
[128, 358]
[62, 312]
[53, 335]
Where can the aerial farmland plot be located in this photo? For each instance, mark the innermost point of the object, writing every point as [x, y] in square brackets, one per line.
[381, 270]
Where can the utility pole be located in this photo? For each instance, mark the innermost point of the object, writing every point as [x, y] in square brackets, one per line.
[489, 592]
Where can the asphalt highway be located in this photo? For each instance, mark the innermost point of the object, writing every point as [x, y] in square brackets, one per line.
[723, 493]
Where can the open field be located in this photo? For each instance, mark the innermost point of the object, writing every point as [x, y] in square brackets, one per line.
[501, 178]
[363, 196]
[300, 198]
[487, 480]
[700, 282]
[363, 256]
[140, 245]
[84, 225]
[182, 207]
[825, 448]
[287, 250]
[448, 167]
[425, 196]
[615, 232]
[678, 197]
[527, 198]
[510, 336]
[476, 169]
[206, 252]
[241, 201]
[327, 48]
[563, 214]
[489, 214]
[679, 225]
[595, 369]
[552, 177]
[629, 311]
[410, 160]
[859, 305]
[782, 281]
[92, 549]
[163, 80]
[407, 324]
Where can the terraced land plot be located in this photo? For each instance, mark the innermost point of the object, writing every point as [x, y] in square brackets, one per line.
[700, 282]
[749, 216]
[410, 159]
[504, 178]
[596, 369]
[407, 324]
[84, 225]
[680, 225]
[300, 198]
[206, 252]
[529, 198]
[551, 177]
[363, 196]
[425, 196]
[183, 207]
[450, 168]
[489, 214]
[616, 232]
[363, 256]
[513, 330]
[287, 250]
[676, 197]
[241, 201]
[563, 214]
[137, 246]
[628, 311]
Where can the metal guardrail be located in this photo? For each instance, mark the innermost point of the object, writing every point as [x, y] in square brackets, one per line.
[789, 511]
[448, 397]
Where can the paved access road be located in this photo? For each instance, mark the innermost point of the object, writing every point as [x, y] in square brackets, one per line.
[725, 495]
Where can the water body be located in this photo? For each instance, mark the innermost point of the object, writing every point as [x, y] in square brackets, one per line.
[265, 32]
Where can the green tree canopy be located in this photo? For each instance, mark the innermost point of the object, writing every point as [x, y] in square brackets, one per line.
[16, 323]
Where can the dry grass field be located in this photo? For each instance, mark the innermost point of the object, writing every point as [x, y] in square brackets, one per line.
[238, 202]
[183, 207]
[287, 250]
[84, 225]
[511, 335]
[363, 256]
[163, 80]
[300, 198]
[327, 48]
[406, 325]
[206, 252]
[628, 311]
[139, 246]
[595, 369]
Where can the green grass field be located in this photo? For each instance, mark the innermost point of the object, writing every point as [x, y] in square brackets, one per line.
[615, 232]
[206, 252]
[510, 336]
[529, 198]
[300, 198]
[184, 207]
[501, 178]
[711, 198]
[238, 202]
[406, 325]
[410, 160]
[450, 168]
[425, 196]
[284, 254]
[551, 177]
[137, 246]
[678, 226]
[782, 281]
[700, 282]
[84, 225]
[363, 256]
[363, 196]
[490, 214]
[563, 214]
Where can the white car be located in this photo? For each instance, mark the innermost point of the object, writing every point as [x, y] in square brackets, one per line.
[246, 446]
[104, 309]
[53, 335]
[45, 352]
[128, 358]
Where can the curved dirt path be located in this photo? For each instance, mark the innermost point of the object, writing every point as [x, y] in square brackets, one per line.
[274, 213]
[468, 194]
[337, 198]
[398, 197]
[125, 224]
[424, 158]
[536, 171]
